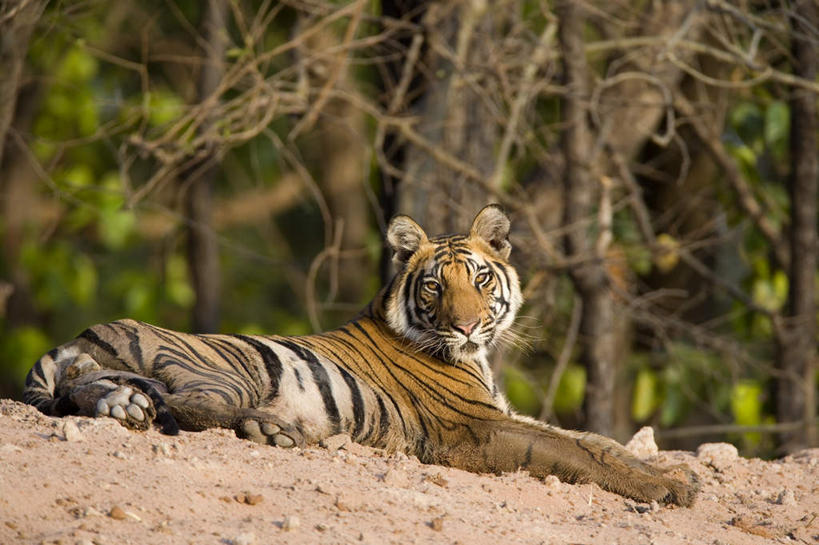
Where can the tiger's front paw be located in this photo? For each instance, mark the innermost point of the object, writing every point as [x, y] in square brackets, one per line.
[682, 484]
[268, 430]
[131, 408]
[677, 485]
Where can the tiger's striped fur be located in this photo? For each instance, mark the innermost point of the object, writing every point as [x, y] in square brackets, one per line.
[408, 374]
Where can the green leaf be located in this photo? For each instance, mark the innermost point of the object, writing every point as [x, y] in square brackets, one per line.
[77, 66]
[177, 285]
[646, 398]
[19, 349]
[115, 227]
[82, 283]
[521, 392]
[571, 390]
[777, 125]
[165, 107]
[746, 404]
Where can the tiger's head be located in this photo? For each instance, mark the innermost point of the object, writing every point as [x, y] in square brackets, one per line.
[454, 295]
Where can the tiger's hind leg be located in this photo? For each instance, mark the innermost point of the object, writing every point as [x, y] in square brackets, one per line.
[196, 411]
[133, 400]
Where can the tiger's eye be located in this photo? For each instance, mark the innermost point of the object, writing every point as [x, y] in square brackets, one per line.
[431, 285]
[482, 278]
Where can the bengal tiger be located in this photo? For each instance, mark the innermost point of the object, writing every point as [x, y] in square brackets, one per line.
[408, 374]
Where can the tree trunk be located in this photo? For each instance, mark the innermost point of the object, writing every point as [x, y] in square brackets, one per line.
[581, 192]
[203, 248]
[452, 115]
[796, 338]
[16, 173]
[15, 31]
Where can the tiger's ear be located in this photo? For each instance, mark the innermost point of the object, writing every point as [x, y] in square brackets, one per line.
[405, 237]
[492, 225]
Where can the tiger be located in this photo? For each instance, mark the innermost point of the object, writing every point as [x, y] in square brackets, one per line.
[409, 374]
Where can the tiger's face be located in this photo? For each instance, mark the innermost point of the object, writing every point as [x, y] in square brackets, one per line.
[454, 295]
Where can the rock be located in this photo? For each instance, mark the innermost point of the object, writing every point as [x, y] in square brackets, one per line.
[71, 432]
[117, 513]
[437, 478]
[291, 522]
[717, 455]
[253, 499]
[552, 482]
[328, 489]
[642, 444]
[247, 538]
[396, 478]
[786, 497]
[162, 448]
[437, 523]
[335, 442]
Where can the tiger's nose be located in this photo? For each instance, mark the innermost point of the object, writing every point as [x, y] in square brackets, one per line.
[466, 327]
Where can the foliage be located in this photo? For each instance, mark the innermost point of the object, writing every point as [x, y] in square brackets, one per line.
[114, 130]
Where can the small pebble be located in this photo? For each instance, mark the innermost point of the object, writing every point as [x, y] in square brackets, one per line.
[551, 482]
[117, 513]
[71, 432]
[437, 523]
[786, 497]
[291, 522]
[335, 442]
[248, 538]
[162, 448]
[717, 455]
[253, 499]
[642, 444]
[437, 478]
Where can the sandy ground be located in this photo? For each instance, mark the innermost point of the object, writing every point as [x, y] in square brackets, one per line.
[83, 481]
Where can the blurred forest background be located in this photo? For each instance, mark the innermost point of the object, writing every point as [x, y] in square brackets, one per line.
[231, 165]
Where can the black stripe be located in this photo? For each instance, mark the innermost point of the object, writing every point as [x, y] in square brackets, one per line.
[271, 363]
[135, 347]
[434, 393]
[358, 400]
[320, 377]
[91, 336]
[384, 418]
[350, 380]
[37, 370]
[374, 379]
[527, 459]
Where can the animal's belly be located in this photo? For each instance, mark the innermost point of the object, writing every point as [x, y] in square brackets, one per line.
[323, 399]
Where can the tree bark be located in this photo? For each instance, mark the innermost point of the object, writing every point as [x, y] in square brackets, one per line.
[452, 115]
[203, 247]
[17, 21]
[598, 336]
[796, 337]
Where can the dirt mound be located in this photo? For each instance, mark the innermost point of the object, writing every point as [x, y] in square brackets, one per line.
[81, 480]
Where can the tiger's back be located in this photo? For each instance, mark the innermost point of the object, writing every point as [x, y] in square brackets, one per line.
[410, 373]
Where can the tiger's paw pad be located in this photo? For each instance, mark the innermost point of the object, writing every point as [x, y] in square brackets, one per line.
[131, 408]
[266, 431]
